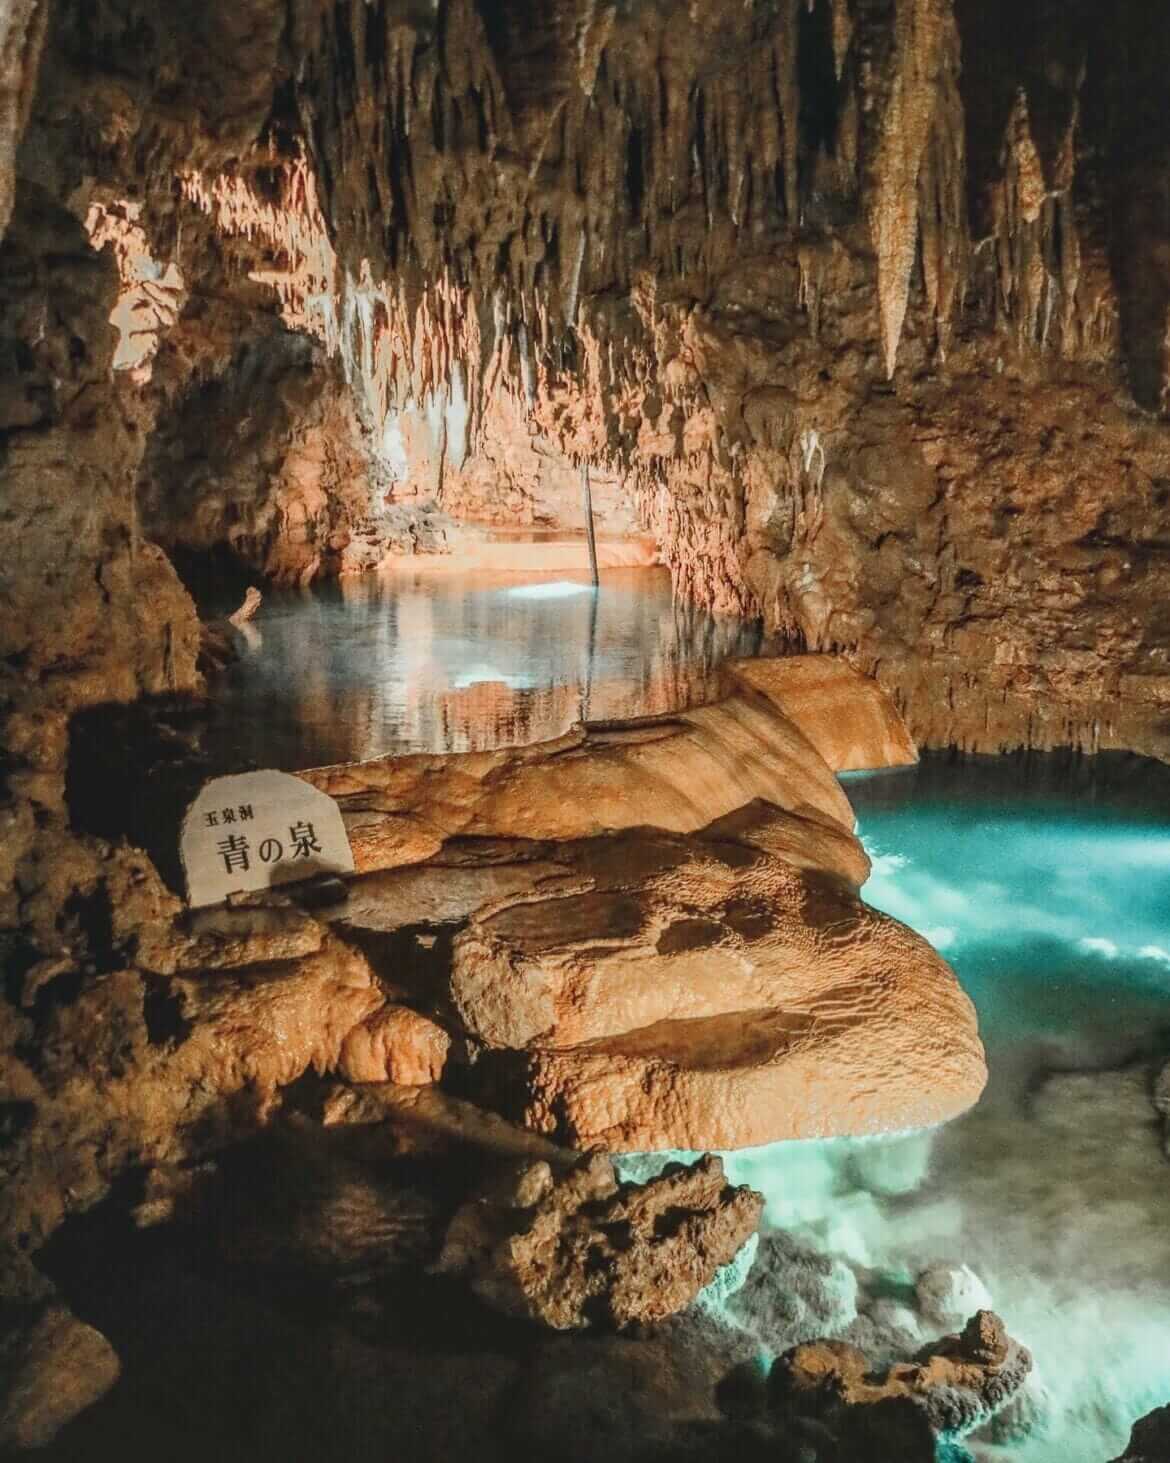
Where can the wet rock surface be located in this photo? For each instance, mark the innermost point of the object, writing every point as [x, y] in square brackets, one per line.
[847, 717]
[1150, 1440]
[859, 310]
[677, 773]
[663, 994]
[578, 1249]
[953, 1386]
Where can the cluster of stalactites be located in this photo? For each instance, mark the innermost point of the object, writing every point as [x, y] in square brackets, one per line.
[401, 343]
[438, 174]
[678, 139]
[514, 250]
[1049, 292]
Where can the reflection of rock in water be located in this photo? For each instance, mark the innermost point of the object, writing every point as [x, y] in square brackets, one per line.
[463, 661]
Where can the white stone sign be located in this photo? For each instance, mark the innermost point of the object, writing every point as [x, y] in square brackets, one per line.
[254, 830]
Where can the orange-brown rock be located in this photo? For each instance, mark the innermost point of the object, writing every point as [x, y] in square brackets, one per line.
[427, 1120]
[229, 937]
[848, 717]
[677, 773]
[660, 991]
[952, 1386]
[395, 1045]
[577, 1249]
[131, 1070]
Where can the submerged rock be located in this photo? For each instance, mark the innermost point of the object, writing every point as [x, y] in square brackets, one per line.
[1149, 1442]
[948, 1293]
[1162, 1103]
[953, 1386]
[578, 1249]
[793, 1294]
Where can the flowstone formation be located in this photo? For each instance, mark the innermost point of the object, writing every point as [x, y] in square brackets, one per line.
[714, 983]
[705, 975]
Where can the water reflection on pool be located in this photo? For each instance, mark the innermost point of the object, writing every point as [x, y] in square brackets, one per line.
[455, 662]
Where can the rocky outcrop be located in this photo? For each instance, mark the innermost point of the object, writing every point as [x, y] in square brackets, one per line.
[52, 1368]
[677, 773]
[395, 1045]
[580, 1249]
[708, 985]
[1149, 1442]
[111, 1070]
[847, 717]
[692, 972]
[951, 1387]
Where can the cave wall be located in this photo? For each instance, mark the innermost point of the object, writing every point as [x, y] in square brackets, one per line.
[859, 308]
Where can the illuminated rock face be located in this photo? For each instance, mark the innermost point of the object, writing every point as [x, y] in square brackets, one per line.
[396, 1045]
[677, 773]
[705, 978]
[703, 993]
[863, 307]
[575, 1249]
[847, 717]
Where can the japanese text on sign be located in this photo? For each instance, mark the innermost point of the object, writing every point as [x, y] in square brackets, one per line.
[257, 829]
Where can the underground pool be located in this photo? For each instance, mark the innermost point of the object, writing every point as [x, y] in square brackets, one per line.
[1045, 881]
[459, 661]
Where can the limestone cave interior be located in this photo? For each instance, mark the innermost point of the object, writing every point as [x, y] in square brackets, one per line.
[664, 508]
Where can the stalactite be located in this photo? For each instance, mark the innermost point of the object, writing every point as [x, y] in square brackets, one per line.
[903, 89]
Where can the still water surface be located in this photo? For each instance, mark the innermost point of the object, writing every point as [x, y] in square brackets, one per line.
[450, 661]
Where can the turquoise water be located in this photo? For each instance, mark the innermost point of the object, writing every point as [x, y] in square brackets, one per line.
[1046, 884]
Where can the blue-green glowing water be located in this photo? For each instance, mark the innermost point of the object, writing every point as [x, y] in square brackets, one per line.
[1046, 884]
[1053, 904]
